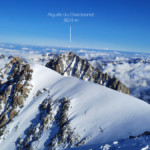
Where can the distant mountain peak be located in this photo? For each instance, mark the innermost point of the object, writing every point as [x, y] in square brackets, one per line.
[70, 64]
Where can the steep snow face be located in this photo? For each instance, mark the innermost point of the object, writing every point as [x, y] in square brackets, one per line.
[96, 114]
[92, 102]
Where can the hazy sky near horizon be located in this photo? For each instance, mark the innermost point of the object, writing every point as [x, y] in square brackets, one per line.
[116, 25]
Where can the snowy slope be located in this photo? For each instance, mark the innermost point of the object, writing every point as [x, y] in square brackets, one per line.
[98, 114]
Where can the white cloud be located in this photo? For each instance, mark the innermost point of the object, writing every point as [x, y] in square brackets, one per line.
[25, 48]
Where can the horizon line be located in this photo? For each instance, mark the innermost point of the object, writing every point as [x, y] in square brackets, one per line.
[73, 47]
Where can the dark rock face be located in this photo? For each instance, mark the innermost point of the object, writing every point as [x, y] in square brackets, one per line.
[53, 116]
[14, 88]
[69, 64]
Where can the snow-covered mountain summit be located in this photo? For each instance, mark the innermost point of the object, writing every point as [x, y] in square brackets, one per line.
[68, 113]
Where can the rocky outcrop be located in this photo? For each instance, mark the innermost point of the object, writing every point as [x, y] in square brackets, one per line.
[14, 89]
[53, 119]
[69, 64]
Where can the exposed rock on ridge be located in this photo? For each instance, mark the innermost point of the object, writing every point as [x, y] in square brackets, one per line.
[53, 118]
[69, 64]
[14, 89]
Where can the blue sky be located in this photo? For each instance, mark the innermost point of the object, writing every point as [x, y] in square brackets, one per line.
[117, 24]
